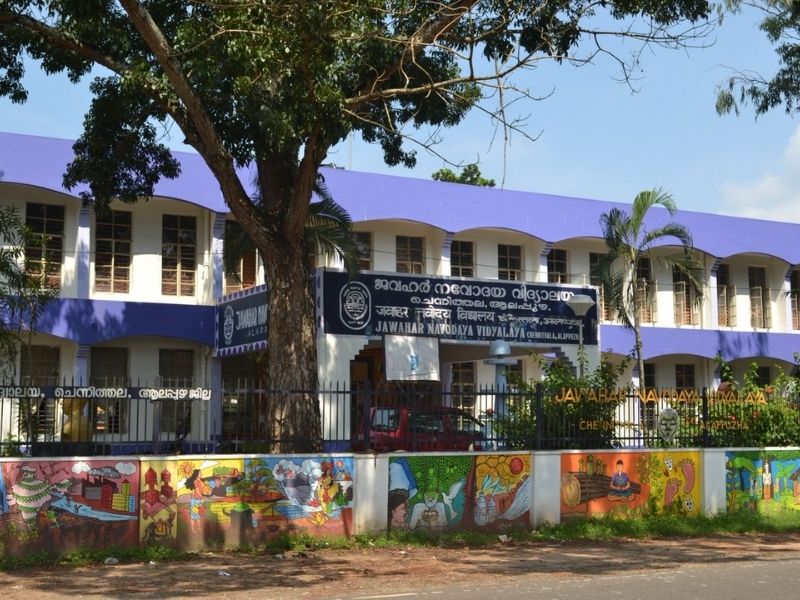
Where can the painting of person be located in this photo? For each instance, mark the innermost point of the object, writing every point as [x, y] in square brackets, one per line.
[398, 509]
[196, 485]
[620, 485]
[766, 481]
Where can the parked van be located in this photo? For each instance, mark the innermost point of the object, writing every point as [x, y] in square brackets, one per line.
[422, 429]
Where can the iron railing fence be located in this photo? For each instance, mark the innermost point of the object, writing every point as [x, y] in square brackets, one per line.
[72, 419]
[75, 420]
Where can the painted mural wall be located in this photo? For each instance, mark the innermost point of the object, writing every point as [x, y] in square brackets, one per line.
[205, 502]
[439, 492]
[764, 481]
[64, 505]
[630, 484]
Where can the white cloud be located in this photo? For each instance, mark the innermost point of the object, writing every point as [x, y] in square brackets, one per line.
[774, 195]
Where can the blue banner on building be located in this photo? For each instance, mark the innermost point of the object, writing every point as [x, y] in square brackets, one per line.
[242, 322]
[456, 309]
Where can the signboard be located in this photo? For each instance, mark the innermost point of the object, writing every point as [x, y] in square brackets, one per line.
[91, 392]
[242, 322]
[410, 358]
[457, 309]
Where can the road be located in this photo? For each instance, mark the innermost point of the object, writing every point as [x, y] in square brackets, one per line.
[739, 580]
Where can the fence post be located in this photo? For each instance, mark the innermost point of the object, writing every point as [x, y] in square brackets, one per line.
[156, 402]
[705, 417]
[365, 417]
[538, 396]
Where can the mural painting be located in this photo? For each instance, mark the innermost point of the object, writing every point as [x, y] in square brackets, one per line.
[450, 492]
[64, 505]
[244, 501]
[630, 484]
[764, 481]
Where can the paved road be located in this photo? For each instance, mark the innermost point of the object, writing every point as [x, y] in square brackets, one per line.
[746, 580]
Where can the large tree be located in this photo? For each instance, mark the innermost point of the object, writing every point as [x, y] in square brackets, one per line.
[276, 83]
[629, 241]
[781, 24]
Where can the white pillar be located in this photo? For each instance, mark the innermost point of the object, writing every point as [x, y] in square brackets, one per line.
[714, 492]
[371, 494]
[546, 497]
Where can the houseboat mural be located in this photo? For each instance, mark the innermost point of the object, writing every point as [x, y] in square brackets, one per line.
[69, 504]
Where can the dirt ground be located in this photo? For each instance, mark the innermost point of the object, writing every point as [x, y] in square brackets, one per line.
[329, 574]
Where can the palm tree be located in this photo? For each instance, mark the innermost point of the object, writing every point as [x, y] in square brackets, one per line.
[328, 231]
[629, 242]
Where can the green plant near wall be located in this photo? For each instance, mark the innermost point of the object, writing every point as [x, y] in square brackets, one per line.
[766, 415]
[561, 419]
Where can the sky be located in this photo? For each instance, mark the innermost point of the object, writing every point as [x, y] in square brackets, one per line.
[596, 138]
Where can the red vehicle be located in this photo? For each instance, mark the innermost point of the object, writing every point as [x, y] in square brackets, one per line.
[422, 429]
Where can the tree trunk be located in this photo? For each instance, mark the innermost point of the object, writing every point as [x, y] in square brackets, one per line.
[293, 414]
[290, 418]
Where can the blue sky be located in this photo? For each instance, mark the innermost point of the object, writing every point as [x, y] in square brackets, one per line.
[597, 138]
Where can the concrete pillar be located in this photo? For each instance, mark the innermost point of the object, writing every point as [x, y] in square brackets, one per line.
[371, 493]
[447, 244]
[713, 482]
[546, 497]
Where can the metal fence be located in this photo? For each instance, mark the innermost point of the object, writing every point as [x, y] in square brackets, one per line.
[78, 420]
[415, 416]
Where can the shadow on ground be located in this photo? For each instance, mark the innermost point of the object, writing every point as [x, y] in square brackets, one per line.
[349, 574]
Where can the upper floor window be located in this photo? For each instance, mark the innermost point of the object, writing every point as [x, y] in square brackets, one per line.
[646, 288]
[557, 266]
[410, 256]
[44, 252]
[176, 369]
[684, 299]
[112, 261]
[462, 259]
[726, 297]
[364, 245]
[241, 265]
[760, 310]
[509, 262]
[794, 287]
[178, 255]
[594, 279]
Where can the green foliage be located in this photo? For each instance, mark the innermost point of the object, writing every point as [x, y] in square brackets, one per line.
[470, 175]
[23, 293]
[629, 243]
[762, 416]
[781, 24]
[562, 419]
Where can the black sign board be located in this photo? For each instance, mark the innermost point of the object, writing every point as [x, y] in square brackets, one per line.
[456, 309]
[242, 322]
